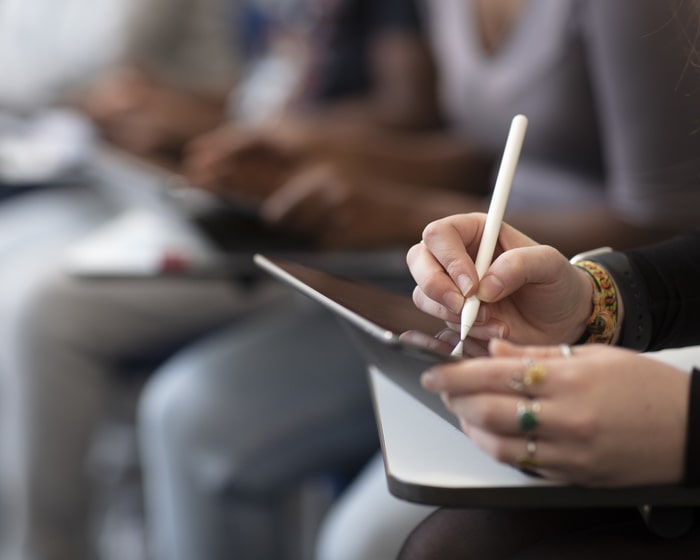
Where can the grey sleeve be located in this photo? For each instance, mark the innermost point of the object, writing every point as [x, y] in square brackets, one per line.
[647, 84]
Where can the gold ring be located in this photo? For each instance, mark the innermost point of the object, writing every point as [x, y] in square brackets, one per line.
[534, 373]
[528, 461]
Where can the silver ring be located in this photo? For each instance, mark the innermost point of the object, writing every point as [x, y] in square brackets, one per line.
[565, 350]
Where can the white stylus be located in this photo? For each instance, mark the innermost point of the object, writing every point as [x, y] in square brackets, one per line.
[494, 219]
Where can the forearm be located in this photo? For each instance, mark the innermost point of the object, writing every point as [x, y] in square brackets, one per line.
[670, 271]
[573, 230]
[434, 159]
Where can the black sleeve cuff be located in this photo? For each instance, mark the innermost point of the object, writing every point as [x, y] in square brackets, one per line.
[692, 439]
[637, 326]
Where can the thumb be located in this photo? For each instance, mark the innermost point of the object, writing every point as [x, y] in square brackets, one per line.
[516, 268]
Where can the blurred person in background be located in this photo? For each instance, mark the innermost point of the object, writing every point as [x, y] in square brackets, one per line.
[46, 494]
[592, 172]
[230, 492]
[93, 333]
[172, 83]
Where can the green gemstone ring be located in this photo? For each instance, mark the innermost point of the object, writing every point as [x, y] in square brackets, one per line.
[527, 414]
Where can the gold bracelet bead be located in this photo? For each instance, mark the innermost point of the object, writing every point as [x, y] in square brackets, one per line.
[601, 326]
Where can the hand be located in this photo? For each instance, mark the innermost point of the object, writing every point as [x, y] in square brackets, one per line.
[530, 293]
[444, 342]
[608, 417]
[344, 206]
[145, 116]
[243, 163]
[116, 95]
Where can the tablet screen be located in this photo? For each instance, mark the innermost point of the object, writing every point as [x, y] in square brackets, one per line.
[389, 317]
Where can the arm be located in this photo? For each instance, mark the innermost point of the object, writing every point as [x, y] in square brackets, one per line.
[666, 274]
[174, 81]
[639, 54]
[533, 295]
[390, 125]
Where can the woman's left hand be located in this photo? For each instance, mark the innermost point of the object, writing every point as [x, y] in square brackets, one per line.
[603, 416]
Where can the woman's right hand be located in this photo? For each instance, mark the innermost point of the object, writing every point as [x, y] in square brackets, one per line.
[530, 294]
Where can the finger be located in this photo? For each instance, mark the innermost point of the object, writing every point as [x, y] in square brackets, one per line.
[489, 330]
[302, 202]
[474, 376]
[210, 174]
[434, 308]
[499, 414]
[422, 340]
[503, 375]
[548, 419]
[474, 348]
[435, 284]
[544, 457]
[504, 349]
[449, 241]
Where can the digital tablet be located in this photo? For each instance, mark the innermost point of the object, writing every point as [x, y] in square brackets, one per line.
[426, 460]
[389, 330]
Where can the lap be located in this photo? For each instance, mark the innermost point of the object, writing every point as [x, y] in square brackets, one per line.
[267, 400]
[542, 534]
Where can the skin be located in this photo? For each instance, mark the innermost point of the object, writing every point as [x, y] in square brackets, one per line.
[367, 172]
[609, 417]
[136, 111]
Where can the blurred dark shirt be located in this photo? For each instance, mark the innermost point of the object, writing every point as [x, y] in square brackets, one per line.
[343, 38]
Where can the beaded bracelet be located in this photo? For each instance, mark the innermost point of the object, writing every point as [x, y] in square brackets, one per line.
[602, 323]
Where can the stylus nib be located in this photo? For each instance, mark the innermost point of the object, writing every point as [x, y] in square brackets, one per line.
[459, 349]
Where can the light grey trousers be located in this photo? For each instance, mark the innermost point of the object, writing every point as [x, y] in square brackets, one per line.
[65, 342]
[231, 425]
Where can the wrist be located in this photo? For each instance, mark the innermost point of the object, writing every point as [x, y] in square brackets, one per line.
[603, 323]
[585, 306]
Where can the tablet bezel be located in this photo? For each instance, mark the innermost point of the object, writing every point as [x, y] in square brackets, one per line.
[290, 272]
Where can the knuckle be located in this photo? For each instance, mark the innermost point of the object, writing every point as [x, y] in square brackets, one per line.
[584, 426]
[485, 416]
[432, 231]
[432, 286]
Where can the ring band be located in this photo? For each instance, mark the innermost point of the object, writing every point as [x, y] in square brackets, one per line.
[517, 385]
[528, 461]
[534, 373]
[527, 414]
[565, 350]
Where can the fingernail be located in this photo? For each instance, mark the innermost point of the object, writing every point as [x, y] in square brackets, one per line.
[496, 331]
[464, 283]
[490, 288]
[454, 301]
